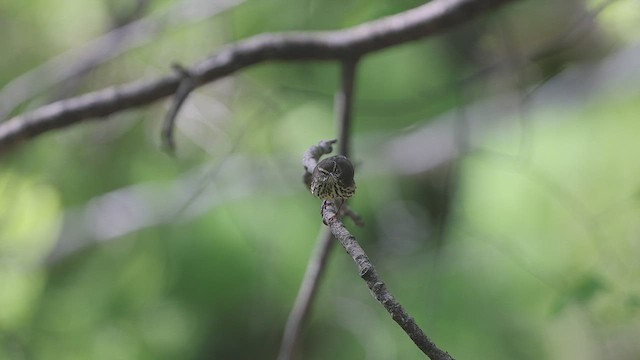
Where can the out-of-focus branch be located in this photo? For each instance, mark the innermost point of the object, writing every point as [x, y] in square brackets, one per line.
[378, 287]
[187, 85]
[126, 210]
[574, 34]
[431, 18]
[316, 266]
[306, 295]
[344, 105]
[311, 156]
[121, 39]
[84, 65]
[121, 17]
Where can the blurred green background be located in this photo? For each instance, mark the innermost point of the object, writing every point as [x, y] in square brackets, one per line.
[497, 172]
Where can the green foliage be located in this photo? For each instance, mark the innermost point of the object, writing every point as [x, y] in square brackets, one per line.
[27, 229]
[537, 259]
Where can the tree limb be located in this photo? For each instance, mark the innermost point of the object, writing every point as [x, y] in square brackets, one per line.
[431, 18]
[379, 289]
[367, 270]
[81, 59]
[187, 85]
[306, 295]
[344, 105]
[317, 263]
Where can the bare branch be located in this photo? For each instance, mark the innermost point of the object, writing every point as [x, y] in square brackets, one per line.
[315, 269]
[367, 271]
[347, 211]
[331, 217]
[344, 105]
[311, 156]
[80, 60]
[306, 295]
[431, 18]
[187, 85]
[120, 18]
[73, 74]
[379, 289]
[115, 214]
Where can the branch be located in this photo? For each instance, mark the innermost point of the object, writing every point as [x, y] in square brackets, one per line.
[187, 85]
[311, 156]
[120, 18]
[344, 105]
[79, 60]
[379, 289]
[367, 270]
[431, 18]
[74, 73]
[306, 294]
[317, 263]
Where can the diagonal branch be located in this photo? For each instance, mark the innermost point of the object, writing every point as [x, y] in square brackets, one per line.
[379, 289]
[83, 58]
[431, 18]
[306, 295]
[367, 270]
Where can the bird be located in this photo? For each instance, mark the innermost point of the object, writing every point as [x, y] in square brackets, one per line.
[332, 179]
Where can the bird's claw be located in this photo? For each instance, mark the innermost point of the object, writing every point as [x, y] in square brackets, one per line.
[325, 205]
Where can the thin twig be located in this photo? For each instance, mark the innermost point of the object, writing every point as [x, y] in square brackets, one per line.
[344, 105]
[574, 33]
[120, 18]
[316, 266]
[310, 157]
[379, 289]
[347, 211]
[187, 85]
[570, 37]
[78, 70]
[306, 295]
[81, 59]
[431, 18]
[367, 271]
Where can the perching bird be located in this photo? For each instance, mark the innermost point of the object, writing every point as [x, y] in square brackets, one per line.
[333, 179]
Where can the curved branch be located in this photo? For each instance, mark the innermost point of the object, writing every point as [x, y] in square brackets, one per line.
[187, 85]
[431, 18]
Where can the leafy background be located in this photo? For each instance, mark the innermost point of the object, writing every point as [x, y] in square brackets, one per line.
[501, 196]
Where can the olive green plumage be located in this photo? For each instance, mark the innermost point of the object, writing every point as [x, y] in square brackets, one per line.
[333, 179]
